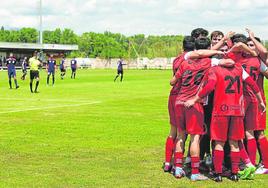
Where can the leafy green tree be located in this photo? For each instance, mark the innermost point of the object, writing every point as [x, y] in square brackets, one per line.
[104, 45]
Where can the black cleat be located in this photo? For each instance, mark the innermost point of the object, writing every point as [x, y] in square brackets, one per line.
[167, 168]
[217, 178]
[234, 177]
[17, 87]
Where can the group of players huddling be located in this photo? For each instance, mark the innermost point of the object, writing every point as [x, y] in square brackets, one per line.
[218, 100]
[34, 64]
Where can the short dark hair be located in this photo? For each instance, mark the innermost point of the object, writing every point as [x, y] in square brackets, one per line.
[216, 33]
[188, 43]
[202, 43]
[257, 38]
[239, 38]
[199, 31]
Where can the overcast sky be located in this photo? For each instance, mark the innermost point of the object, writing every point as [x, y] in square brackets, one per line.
[151, 17]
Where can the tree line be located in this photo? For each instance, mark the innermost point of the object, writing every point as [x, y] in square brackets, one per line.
[103, 45]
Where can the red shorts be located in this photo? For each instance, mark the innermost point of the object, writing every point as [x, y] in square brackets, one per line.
[191, 119]
[251, 115]
[261, 121]
[171, 109]
[225, 128]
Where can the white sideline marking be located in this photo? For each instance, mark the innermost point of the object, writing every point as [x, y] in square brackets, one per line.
[50, 107]
[45, 100]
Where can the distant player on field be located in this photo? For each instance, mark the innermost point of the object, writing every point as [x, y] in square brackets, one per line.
[51, 68]
[73, 67]
[34, 63]
[120, 70]
[11, 70]
[24, 68]
[62, 68]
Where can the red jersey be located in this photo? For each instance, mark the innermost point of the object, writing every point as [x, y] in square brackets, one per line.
[191, 73]
[176, 63]
[260, 85]
[252, 66]
[228, 92]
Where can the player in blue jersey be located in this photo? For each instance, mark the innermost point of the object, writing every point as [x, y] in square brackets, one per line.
[51, 67]
[73, 67]
[10, 63]
[120, 70]
[62, 68]
[24, 68]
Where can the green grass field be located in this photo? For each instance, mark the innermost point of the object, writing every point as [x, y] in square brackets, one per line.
[90, 132]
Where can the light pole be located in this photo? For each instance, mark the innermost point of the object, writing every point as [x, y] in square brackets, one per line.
[40, 26]
[41, 56]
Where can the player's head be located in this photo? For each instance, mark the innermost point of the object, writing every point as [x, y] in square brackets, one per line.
[239, 38]
[188, 43]
[35, 53]
[251, 44]
[215, 37]
[225, 48]
[51, 55]
[11, 54]
[25, 58]
[202, 43]
[199, 33]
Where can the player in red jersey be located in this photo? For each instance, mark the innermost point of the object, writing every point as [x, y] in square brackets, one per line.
[218, 40]
[255, 44]
[251, 64]
[190, 121]
[228, 111]
[188, 45]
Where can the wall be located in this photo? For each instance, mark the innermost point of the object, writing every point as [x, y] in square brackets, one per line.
[141, 63]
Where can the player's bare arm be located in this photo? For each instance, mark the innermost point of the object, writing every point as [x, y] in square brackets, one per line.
[224, 39]
[173, 80]
[261, 49]
[241, 47]
[226, 63]
[203, 53]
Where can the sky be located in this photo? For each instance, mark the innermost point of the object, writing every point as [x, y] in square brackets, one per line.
[129, 17]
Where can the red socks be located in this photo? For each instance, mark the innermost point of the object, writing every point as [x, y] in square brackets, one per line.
[218, 157]
[178, 159]
[264, 150]
[169, 149]
[252, 150]
[195, 165]
[235, 159]
[243, 153]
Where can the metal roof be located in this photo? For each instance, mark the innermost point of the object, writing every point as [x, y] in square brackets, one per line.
[34, 46]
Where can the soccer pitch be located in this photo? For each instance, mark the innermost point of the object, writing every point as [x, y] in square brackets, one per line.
[90, 132]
